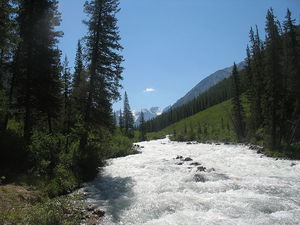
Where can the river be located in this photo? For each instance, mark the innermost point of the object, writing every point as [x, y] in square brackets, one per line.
[226, 184]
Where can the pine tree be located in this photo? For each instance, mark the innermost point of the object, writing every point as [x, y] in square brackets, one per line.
[8, 42]
[237, 108]
[128, 117]
[79, 67]
[79, 84]
[142, 127]
[256, 67]
[273, 81]
[121, 120]
[104, 68]
[66, 80]
[38, 62]
[291, 71]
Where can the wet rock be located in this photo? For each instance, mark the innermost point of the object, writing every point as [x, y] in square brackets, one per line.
[293, 164]
[179, 157]
[90, 208]
[99, 212]
[179, 163]
[188, 159]
[199, 178]
[189, 143]
[218, 144]
[201, 168]
[195, 164]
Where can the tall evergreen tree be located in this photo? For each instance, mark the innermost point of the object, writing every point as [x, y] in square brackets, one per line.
[8, 42]
[273, 81]
[237, 108]
[128, 117]
[79, 84]
[256, 65]
[79, 66]
[121, 120]
[291, 73]
[104, 69]
[66, 80]
[37, 62]
[142, 127]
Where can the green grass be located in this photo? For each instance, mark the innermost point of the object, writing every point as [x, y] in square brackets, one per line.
[26, 205]
[212, 124]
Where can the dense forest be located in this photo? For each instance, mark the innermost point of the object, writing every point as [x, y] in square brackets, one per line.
[270, 83]
[57, 126]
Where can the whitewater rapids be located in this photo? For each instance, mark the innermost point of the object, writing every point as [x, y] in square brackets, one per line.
[238, 186]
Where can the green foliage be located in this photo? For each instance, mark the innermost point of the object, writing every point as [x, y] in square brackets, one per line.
[209, 123]
[215, 95]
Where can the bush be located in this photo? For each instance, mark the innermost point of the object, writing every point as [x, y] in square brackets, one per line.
[121, 146]
[12, 155]
[59, 211]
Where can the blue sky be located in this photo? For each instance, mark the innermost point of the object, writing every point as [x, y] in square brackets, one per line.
[170, 45]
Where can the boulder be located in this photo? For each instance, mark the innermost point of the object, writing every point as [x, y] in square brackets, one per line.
[179, 157]
[195, 164]
[188, 159]
[201, 168]
[99, 212]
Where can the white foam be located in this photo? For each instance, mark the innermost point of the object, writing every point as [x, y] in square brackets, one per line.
[150, 188]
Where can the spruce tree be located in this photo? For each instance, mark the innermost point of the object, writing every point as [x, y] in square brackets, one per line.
[256, 65]
[121, 120]
[66, 80]
[104, 69]
[273, 82]
[142, 127]
[237, 108]
[79, 67]
[79, 84]
[291, 71]
[128, 117]
[37, 63]
[8, 42]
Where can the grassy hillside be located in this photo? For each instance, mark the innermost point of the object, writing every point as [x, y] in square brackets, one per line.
[213, 123]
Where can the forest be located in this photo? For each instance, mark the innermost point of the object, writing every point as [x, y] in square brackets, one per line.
[57, 126]
[269, 83]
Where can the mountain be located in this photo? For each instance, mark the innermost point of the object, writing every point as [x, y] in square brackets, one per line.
[205, 84]
[148, 114]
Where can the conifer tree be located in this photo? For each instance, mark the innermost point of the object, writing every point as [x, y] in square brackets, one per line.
[79, 84]
[237, 108]
[256, 65]
[291, 71]
[273, 81]
[38, 62]
[142, 127]
[79, 67]
[104, 69]
[66, 80]
[128, 117]
[121, 120]
[8, 42]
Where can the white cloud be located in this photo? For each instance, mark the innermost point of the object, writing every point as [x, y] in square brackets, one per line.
[149, 90]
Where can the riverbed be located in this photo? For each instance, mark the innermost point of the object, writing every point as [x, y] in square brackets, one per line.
[171, 183]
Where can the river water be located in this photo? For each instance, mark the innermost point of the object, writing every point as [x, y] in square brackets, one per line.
[230, 185]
